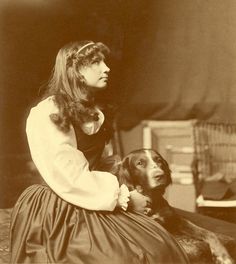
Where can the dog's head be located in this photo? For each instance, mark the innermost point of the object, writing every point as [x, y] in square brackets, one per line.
[146, 169]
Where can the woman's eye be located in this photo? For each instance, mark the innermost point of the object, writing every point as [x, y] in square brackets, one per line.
[96, 62]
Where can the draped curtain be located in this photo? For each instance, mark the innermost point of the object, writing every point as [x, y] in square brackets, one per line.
[180, 62]
[171, 59]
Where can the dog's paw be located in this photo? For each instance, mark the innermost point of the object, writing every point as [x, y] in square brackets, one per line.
[148, 211]
[158, 217]
[228, 242]
[223, 259]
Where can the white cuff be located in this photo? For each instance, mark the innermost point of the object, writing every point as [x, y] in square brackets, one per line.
[123, 197]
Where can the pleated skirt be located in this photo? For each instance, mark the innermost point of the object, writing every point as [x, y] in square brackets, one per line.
[47, 229]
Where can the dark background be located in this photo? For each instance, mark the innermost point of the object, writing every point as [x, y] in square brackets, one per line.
[31, 34]
[171, 60]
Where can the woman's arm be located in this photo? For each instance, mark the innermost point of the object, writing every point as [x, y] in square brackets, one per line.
[65, 168]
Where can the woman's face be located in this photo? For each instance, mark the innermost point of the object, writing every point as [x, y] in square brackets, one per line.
[95, 74]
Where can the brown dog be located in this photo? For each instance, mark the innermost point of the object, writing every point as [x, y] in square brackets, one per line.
[146, 171]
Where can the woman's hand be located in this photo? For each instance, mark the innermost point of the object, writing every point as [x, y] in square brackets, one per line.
[139, 202]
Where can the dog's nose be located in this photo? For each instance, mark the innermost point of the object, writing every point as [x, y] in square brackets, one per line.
[157, 170]
[153, 165]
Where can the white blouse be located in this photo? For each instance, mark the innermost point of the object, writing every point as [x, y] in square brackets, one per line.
[63, 167]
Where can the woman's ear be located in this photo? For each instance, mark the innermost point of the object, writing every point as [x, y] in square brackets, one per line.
[124, 175]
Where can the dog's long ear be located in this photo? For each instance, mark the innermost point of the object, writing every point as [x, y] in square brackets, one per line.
[166, 168]
[124, 175]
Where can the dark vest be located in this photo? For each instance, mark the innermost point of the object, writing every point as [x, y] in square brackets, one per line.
[92, 146]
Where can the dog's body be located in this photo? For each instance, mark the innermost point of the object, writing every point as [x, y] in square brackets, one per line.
[146, 171]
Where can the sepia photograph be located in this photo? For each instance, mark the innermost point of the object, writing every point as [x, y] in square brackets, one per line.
[118, 131]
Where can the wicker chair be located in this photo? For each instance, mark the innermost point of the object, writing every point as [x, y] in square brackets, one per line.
[214, 169]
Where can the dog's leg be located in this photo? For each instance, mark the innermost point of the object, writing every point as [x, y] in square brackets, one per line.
[218, 250]
[198, 251]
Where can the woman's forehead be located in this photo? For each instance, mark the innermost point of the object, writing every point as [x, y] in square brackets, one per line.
[96, 55]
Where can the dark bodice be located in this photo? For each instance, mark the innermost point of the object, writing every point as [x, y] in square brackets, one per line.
[92, 146]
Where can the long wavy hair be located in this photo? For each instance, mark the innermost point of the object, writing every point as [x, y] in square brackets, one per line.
[74, 99]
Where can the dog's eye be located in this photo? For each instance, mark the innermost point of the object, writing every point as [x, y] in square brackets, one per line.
[157, 159]
[140, 163]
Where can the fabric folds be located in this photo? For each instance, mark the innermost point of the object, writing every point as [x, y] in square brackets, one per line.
[54, 231]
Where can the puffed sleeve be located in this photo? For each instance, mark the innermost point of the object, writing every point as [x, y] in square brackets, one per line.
[65, 168]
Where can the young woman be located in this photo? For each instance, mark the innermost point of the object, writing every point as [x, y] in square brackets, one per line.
[79, 215]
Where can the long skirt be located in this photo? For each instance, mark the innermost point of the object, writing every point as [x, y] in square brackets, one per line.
[47, 229]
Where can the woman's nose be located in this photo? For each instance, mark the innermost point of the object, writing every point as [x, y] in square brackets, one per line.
[105, 67]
